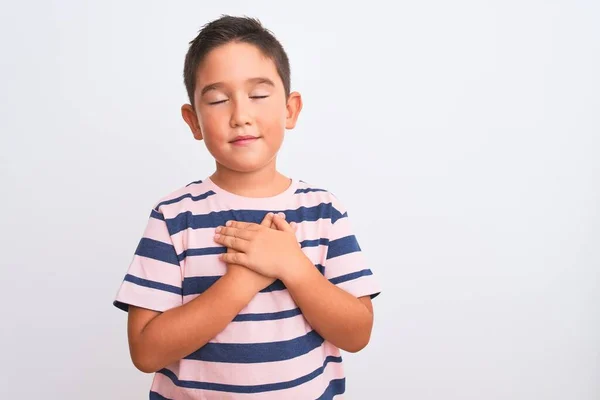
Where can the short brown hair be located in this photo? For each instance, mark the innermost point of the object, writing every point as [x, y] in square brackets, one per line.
[228, 29]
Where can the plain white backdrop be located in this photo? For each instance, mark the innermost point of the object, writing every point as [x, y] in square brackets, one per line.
[464, 138]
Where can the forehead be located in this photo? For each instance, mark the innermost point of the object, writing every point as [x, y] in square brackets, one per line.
[235, 63]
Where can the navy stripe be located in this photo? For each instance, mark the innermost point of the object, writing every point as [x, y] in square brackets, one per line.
[193, 183]
[185, 196]
[342, 246]
[257, 352]
[268, 316]
[268, 387]
[152, 284]
[156, 215]
[201, 252]
[320, 268]
[157, 396]
[308, 190]
[198, 284]
[314, 242]
[186, 220]
[274, 287]
[336, 386]
[120, 305]
[339, 215]
[157, 251]
[351, 276]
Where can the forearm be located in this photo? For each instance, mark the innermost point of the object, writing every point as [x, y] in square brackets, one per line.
[335, 314]
[178, 332]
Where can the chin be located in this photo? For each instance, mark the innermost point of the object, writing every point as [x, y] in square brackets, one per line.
[246, 165]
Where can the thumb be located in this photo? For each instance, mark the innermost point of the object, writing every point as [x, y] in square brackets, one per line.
[267, 220]
[282, 224]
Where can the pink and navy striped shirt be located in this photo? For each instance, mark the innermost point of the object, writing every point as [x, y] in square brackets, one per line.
[269, 351]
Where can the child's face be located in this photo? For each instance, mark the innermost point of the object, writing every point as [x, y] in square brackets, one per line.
[239, 93]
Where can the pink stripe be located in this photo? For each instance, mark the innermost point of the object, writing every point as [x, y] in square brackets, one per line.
[152, 299]
[260, 373]
[340, 229]
[316, 255]
[196, 238]
[346, 264]
[263, 302]
[204, 237]
[312, 199]
[264, 331]
[157, 230]
[363, 286]
[208, 265]
[155, 270]
[166, 388]
[308, 230]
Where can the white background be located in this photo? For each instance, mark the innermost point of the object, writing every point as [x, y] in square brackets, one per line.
[463, 137]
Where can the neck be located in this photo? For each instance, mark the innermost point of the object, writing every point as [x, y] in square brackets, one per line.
[265, 182]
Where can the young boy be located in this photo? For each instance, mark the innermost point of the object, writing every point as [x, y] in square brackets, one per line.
[246, 284]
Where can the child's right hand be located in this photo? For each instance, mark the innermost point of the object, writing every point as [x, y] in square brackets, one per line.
[250, 278]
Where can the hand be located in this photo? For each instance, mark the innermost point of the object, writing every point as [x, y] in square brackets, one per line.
[269, 252]
[250, 278]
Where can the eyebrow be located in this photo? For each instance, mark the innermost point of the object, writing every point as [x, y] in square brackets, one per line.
[218, 85]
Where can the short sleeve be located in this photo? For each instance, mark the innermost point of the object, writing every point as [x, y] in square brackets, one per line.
[346, 265]
[153, 279]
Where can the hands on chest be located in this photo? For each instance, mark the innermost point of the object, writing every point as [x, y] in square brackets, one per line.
[261, 252]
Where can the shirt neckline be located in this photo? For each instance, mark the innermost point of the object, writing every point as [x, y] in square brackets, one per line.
[279, 200]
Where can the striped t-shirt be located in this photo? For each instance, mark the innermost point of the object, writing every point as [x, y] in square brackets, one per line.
[269, 351]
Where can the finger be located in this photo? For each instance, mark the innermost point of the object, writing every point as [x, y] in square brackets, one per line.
[232, 242]
[280, 214]
[237, 224]
[234, 258]
[267, 220]
[235, 232]
[282, 224]
[294, 226]
[242, 225]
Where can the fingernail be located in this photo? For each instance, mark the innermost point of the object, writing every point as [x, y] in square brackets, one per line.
[228, 223]
[217, 236]
[218, 229]
[270, 214]
[282, 215]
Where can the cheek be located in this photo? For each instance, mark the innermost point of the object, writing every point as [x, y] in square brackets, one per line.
[272, 122]
[213, 125]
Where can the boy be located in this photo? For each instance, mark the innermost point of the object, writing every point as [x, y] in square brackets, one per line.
[246, 284]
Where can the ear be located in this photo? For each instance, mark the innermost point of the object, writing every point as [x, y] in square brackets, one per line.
[189, 116]
[294, 106]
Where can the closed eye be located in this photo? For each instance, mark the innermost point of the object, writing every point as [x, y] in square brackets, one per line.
[212, 103]
[258, 97]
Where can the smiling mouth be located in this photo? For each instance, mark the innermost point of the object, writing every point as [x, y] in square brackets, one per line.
[244, 139]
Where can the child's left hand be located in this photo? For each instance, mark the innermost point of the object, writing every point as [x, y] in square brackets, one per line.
[267, 251]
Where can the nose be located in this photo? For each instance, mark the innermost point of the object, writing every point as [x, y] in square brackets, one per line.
[241, 113]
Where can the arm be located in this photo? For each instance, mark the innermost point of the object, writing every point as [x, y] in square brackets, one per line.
[159, 339]
[338, 316]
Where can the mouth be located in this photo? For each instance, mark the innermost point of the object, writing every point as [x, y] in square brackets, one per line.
[240, 140]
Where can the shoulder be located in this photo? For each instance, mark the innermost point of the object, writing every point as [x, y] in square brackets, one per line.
[182, 198]
[323, 196]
